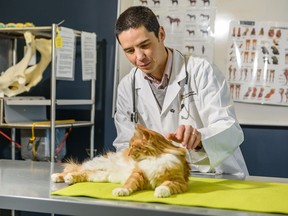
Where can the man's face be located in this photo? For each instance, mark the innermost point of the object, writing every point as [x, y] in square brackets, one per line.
[144, 50]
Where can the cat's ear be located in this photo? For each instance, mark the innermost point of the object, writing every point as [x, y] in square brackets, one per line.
[141, 131]
[139, 127]
[138, 131]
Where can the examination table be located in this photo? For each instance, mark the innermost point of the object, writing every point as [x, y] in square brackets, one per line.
[26, 186]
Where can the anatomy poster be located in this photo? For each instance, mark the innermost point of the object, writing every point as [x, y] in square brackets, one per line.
[257, 69]
[189, 24]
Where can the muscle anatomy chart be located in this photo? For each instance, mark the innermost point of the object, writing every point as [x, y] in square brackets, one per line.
[257, 68]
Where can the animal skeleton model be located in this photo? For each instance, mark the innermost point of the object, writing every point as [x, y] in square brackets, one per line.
[20, 78]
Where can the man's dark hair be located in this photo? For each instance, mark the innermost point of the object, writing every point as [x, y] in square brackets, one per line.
[135, 17]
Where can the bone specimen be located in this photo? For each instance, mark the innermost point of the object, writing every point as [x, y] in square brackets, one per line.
[20, 78]
[16, 72]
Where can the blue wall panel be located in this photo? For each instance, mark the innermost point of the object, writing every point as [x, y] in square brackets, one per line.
[265, 150]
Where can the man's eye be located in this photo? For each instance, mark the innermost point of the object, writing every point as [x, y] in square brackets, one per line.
[144, 46]
[129, 51]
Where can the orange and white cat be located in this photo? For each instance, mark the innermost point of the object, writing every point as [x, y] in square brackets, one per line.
[150, 162]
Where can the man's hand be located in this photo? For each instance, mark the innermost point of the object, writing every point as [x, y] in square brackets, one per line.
[187, 136]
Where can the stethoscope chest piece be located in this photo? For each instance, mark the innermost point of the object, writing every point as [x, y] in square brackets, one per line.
[134, 117]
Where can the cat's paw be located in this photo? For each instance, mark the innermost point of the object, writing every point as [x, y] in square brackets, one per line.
[57, 177]
[162, 191]
[121, 192]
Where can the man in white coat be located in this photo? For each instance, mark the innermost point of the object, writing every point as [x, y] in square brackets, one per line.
[184, 99]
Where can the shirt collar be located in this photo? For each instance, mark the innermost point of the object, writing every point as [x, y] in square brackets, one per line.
[166, 75]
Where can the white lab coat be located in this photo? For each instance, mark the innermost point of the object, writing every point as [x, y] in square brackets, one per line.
[210, 111]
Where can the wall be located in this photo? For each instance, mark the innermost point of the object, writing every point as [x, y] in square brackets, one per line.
[265, 150]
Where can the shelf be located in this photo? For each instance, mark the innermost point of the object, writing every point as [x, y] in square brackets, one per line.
[74, 102]
[41, 31]
[47, 102]
[48, 32]
[47, 125]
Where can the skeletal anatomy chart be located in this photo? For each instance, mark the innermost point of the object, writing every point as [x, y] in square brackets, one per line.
[257, 69]
[189, 24]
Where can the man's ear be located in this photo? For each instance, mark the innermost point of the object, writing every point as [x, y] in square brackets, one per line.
[161, 34]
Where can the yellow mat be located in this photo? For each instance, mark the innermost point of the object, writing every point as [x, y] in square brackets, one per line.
[204, 192]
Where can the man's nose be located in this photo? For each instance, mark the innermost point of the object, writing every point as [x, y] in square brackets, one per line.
[140, 55]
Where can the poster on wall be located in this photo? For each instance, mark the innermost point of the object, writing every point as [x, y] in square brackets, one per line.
[189, 24]
[65, 54]
[257, 68]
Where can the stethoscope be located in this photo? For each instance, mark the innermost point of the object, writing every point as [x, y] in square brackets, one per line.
[185, 103]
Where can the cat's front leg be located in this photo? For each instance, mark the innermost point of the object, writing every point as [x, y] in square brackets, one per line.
[162, 191]
[121, 192]
[167, 188]
[135, 182]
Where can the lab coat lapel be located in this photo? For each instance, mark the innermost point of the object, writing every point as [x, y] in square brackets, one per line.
[145, 92]
[177, 75]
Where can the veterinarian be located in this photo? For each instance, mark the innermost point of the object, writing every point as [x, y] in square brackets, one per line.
[186, 100]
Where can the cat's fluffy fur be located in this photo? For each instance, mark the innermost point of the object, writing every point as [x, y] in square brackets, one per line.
[150, 162]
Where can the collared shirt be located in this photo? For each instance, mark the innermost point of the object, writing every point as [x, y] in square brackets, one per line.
[167, 72]
[159, 88]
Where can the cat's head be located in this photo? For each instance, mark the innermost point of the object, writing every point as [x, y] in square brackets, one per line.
[145, 143]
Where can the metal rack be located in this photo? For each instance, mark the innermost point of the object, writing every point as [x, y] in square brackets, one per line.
[50, 33]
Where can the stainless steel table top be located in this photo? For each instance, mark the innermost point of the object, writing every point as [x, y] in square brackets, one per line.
[26, 185]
